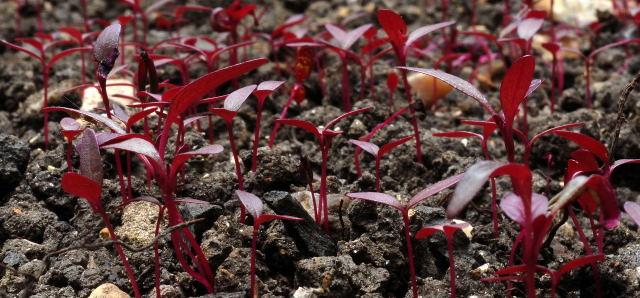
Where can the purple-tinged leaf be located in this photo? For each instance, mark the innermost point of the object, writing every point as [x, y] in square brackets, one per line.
[513, 206]
[291, 21]
[534, 85]
[470, 184]
[119, 112]
[424, 30]
[236, 98]
[621, 162]
[103, 137]
[386, 148]
[377, 197]
[251, 202]
[515, 85]
[434, 189]
[458, 134]
[136, 144]
[347, 39]
[70, 124]
[265, 89]
[366, 146]
[139, 116]
[90, 159]
[105, 49]
[633, 210]
[527, 28]
[93, 117]
[447, 229]
[83, 187]
[457, 83]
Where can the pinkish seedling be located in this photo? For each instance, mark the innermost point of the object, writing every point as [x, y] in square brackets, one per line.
[379, 152]
[261, 92]
[253, 204]
[404, 208]
[448, 230]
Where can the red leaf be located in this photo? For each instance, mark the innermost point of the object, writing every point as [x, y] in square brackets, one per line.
[458, 83]
[579, 262]
[73, 32]
[393, 144]
[195, 90]
[514, 86]
[366, 146]
[552, 130]
[345, 115]
[22, 49]
[395, 27]
[621, 162]
[470, 184]
[291, 21]
[70, 124]
[65, 53]
[424, 30]
[235, 99]
[187, 200]
[434, 189]
[392, 81]
[377, 197]
[458, 134]
[139, 116]
[306, 125]
[527, 28]
[586, 142]
[251, 202]
[269, 217]
[83, 187]
[90, 159]
[346, 39]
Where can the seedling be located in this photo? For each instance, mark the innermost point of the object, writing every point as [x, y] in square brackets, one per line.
[371, 134]
[88, 185]
[396, 30]
[345, 41]
[46, 64]
[633, 210]
[253, 204]
[448, 230]
[105, 53]
[404, 208]
[324, 136]
[392, 84]
[70, 129]
[379, 152]
[232, 104]
[590, 59]
[262, 91]
[79, 38]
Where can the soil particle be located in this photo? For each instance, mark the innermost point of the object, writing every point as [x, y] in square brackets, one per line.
[138, 223]
[23, 216]
[340, 276]
[14, 157]
[310, 239]
[108, 290]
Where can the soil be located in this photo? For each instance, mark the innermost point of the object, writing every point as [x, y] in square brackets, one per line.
[364, 253]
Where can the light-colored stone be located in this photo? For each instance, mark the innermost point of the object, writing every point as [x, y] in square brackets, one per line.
[91, 99]
[138, 223]
[108, 290]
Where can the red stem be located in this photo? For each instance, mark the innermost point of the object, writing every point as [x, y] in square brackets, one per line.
[252, 272]
[323, 186]
[69, 148]
[45, 82]
[123, 258]
[452, 267]
[407, 236]
[283, 115]
[378, 173]
[156, 253]
[234, 151]
[346, 86]
[414, 122]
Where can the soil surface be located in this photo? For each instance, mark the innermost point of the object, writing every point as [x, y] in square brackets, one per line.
[364, 254]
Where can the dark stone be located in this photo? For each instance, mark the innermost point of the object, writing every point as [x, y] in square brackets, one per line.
[14, 157]
[307, 234]
[209, 212]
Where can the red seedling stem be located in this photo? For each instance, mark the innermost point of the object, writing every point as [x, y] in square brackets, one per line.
[404, 208]
[297, 93]
[263, 90]
[379, 152]
[254, 205]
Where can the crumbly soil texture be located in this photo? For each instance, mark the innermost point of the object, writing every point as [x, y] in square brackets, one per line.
[52, 245]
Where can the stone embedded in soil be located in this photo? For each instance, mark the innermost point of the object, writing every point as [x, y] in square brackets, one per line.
[167, 291]
[308, 236]
[340, 276]
[138, 223]
[25, 217]
[208, 212]
[108, 290]
[14, 156]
